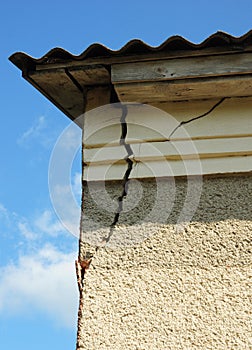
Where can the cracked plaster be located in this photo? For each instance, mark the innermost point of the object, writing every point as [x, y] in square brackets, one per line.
[152, 286]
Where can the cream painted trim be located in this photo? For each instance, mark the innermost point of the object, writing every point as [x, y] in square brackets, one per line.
[172, 150]
[176, 168]
[220, 143]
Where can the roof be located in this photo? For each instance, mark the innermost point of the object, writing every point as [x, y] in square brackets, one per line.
[133, 47]
[65, 78]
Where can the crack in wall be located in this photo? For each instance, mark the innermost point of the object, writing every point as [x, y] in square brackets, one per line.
[198, 117]
[129, 161]
[83, 263]
[125, 181]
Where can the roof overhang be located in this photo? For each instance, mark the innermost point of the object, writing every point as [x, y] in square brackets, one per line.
[177, 70]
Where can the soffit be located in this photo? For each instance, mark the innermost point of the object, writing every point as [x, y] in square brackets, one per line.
[68, 80]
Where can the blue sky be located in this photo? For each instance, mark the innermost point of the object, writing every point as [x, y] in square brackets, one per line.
[38, 294]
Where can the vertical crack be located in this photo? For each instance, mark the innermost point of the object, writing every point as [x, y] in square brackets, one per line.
[125, 180]
[83, 264]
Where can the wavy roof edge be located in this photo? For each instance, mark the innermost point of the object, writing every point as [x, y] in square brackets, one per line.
[135, 46]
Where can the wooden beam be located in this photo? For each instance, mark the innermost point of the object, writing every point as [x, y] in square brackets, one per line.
[97, 96]
[60, 90]
[181, 68]
[186, 89]
[90, 75]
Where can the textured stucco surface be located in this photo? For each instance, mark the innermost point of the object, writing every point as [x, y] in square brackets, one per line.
[170, 286]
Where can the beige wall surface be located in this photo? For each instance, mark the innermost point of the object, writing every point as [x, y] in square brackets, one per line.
[162, 283]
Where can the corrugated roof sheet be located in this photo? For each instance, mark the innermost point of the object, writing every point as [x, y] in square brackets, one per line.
[133, 47]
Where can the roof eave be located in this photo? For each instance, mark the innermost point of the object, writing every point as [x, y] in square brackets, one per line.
[70, 82]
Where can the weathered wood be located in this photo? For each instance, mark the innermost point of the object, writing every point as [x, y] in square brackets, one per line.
[182, 90]
[90, 75]
[181, 68]
[69, 90]
[60, 90]
[97, 96]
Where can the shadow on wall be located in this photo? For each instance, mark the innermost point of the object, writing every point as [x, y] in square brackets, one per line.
[217, 234]
[167, 201]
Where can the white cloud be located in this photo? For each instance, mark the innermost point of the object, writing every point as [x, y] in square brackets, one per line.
[26, 231]
[42, 132]
[65, 189]
[43, 281]
[70, 138]
[66, 207]
[3, 210]
[76, 185]
[63, 220]
[4, 214]
[34, 131]
[47, 224]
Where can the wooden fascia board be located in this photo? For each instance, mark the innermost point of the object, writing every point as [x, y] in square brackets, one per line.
[184, 78]
[185, 89]
[182, 68]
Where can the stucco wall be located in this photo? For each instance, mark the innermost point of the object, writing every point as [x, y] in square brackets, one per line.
[159, 285]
